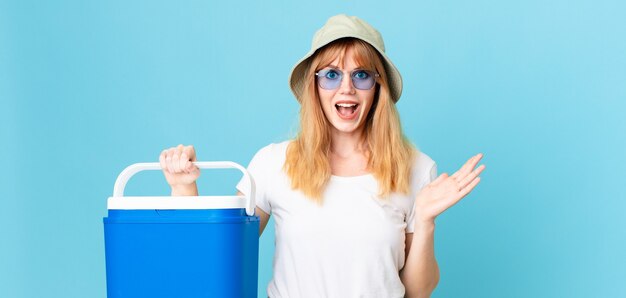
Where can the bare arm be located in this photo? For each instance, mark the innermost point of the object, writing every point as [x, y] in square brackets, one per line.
[420, 274]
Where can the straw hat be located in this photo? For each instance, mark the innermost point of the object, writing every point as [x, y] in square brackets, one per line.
[341, 26]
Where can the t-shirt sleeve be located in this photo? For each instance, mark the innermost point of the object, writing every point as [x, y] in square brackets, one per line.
[258, 169]
[421, 181]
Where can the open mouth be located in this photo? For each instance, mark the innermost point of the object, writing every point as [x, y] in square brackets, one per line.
[346, 110]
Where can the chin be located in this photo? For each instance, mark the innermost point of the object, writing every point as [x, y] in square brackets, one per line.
[346, 127]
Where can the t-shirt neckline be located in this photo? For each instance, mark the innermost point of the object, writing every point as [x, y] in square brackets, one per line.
[349, 178]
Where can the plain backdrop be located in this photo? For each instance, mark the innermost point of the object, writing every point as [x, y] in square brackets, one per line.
[90, 87]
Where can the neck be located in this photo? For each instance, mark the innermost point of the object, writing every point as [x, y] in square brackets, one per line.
[346, 144]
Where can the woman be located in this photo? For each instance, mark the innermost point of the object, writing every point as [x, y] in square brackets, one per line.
[354, 203]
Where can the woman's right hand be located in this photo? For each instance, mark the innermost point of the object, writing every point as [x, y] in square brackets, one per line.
[180, 172]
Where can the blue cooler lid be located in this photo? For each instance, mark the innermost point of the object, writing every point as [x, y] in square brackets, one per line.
[119, 202]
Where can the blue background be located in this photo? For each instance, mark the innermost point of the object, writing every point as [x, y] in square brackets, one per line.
[89, 87]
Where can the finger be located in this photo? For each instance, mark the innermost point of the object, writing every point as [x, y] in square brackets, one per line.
[467, 167]
[176, 162]
[441, 177]
[191, 152]
[162, 160]
[186, 162]
[168, 160]
[190, 157]
[193, 169]
[184, 159]
[469, 178]
[190, 167]
[468, 188]
[180, 162]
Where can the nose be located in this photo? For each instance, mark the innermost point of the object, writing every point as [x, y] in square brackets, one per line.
[346, 86]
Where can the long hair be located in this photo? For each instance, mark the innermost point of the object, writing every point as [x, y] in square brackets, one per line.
[390, 154]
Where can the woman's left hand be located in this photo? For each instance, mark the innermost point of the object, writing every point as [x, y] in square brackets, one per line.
[445, 191]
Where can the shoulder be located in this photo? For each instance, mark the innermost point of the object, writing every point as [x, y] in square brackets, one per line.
[274, 149]
[424, 168]
[271, 155]
[423, 161]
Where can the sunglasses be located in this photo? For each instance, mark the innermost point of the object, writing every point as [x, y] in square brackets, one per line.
[330, 78]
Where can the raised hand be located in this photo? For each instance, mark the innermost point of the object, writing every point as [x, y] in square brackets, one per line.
[445, 191]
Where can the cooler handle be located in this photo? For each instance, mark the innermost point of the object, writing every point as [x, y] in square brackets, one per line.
[122, 179]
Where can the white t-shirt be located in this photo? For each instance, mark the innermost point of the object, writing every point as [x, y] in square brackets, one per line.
[351, 246]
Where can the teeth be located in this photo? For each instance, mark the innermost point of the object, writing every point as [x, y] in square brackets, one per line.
[346, 105]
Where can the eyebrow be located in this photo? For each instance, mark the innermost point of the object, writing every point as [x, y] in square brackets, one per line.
[337, 67]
